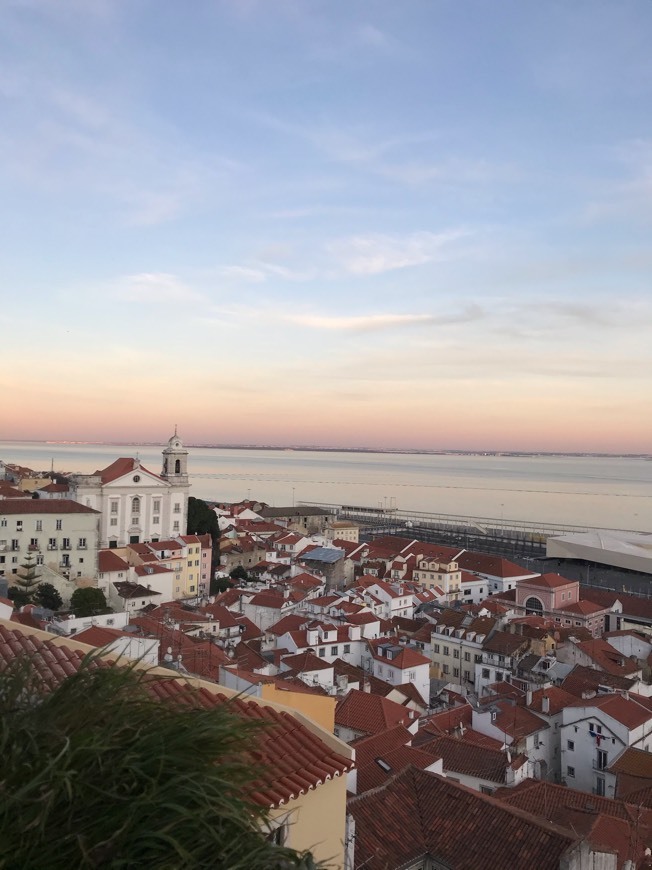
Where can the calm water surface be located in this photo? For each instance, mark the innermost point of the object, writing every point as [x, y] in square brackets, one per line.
[610, 492]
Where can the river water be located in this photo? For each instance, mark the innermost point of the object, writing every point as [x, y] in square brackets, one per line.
[606, 492]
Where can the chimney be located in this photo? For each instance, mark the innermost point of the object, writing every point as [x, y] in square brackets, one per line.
[545, 704]
[366, 686]
[528, 698]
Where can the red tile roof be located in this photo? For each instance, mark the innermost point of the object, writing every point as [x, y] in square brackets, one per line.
[468, 759]
[305, 661]
[292, 759]
[100, 635]
[369, 714]
[608, 658]
[548, 581]
[389, 763]
[109, 561]
[603, 821]
[631, 712]
[43, 506]
[120, 467]
[517, 721]
[585, 681]
[558, 698]
[421, 815]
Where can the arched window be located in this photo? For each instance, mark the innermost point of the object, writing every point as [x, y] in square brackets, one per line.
[135, 505]
[177, 466]
[533, 605]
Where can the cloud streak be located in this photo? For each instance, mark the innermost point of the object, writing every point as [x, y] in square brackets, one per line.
[375, 253]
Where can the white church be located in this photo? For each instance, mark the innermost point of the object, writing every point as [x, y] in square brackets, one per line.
[137, 505]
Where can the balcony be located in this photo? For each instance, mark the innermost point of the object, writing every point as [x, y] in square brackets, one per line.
[600, 765]
[52, 547]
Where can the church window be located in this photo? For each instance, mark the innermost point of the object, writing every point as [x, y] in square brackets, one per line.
[177, 508]
[177, 466]
[156, 520]
[156, 505]
[135, 505]
[114, 507]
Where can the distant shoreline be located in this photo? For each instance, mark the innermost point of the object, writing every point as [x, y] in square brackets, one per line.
[402, 451]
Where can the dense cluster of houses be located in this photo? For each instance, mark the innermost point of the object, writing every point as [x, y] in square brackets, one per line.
[458, 685]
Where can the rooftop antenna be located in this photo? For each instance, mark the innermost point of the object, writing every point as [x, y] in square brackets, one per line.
[175, 428]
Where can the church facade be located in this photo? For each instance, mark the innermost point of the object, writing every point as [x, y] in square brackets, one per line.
[136, 504]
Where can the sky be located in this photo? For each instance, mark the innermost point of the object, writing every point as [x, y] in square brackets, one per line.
[421, 224]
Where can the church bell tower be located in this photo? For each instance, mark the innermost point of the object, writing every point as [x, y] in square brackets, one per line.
[175, 462]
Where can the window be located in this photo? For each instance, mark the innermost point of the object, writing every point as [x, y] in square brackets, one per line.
[446, 651]
[135, 505]
[82, 544]
[114, 507]
[114, 521]
[334, 650]
[347, 648]
[3, 523]
[599, 786]
[33, 542]
[192, 588]
[52, 543]
[322, 652]
[456, 653]
[467, 656]
[499, 676]
[570, 745]
[467, 676]
[59, 525]
[156, 520]
[456, 672]
[177, 508]
[485, 673]
[446, 669]
[176, 526]
[156, 505]
[486, 790]
[39, 525]
[15, 544]
[412, 675]
[570, 771]
[435, 647]
[19, 525]
[65, 543]
[601, 761]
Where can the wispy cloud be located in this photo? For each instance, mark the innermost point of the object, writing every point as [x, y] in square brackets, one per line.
[153, 288]
[377, 322]
[243, 273]
[375, 254]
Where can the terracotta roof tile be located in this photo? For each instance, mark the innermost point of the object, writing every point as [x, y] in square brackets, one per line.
[43, 506]
[292, 759]
[419, 814]
[471, 759]
[369, 714]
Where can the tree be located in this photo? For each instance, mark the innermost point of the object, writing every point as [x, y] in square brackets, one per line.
[219, 585]
[239, 573]
[97, 773]
[88, 601]
[27, 582]
[202, 520]
[47, 596]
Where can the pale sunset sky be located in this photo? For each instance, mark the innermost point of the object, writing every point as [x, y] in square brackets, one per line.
[420, 224]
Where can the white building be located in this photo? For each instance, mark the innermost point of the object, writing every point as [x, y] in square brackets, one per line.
[59, 533]
[595, 732]
[136, 504]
